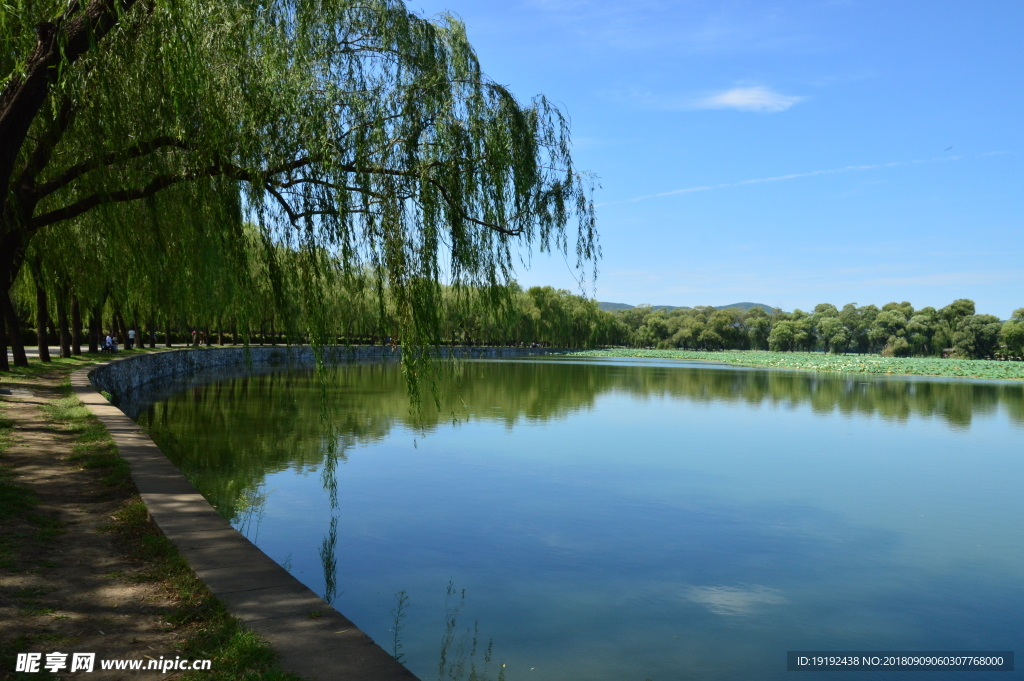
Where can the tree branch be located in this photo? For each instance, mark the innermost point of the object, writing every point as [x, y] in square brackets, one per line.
[79, 169]
[79, 207]
[294, 217]
[261, 178]
[160, 182]
[40, 156]
[323, 183]
[458, 209]
[62, 41]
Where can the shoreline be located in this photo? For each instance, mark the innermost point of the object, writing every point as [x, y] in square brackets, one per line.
[977, 369]
[84, 568]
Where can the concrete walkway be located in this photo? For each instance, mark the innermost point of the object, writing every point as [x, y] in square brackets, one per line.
[32, 351]
[312, 639]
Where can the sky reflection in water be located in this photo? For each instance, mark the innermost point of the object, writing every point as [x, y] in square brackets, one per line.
[625, 520]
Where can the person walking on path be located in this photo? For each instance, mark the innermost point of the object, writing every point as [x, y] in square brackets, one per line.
[131, 339]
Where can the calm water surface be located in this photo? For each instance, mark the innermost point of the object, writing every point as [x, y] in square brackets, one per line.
[622, 519]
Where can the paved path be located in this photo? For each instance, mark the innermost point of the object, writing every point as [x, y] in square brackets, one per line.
[71, 588]
[32, 351]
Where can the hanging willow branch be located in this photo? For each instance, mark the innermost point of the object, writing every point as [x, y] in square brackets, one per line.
[352, 133]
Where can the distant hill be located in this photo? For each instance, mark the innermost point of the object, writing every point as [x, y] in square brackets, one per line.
[623, 306]
[742, 306]
[747, 306]
[614, 306]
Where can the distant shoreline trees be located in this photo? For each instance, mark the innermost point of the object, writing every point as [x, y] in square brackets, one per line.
[227, 306]
[895, 330]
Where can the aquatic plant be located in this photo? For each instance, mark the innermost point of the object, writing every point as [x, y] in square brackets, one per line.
[818, 361]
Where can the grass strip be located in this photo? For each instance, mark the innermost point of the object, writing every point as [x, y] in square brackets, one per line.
[213, 633]
[37, 369]
[15, 500]
[93, 447]
[816, 361]
[18, 502]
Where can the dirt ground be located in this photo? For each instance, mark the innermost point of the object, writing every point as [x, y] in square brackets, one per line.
[66, 585]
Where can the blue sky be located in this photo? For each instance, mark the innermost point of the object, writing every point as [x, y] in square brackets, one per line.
[785, 153]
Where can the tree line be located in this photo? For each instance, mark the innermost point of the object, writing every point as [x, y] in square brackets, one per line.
[894, 330]
[257, 292]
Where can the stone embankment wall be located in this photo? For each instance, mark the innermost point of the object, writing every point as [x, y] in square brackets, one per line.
[131, 373]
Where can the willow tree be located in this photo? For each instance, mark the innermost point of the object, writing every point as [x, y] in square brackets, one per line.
[187, 263]
[352, 128]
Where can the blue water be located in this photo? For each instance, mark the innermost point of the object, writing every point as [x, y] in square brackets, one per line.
[643, 530]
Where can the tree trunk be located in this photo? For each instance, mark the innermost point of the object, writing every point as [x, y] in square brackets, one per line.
[59, 42]
[95, 328]
[14, 331]
[76, 326]
[167, 333]
[62, 324]
[152, 332]
[52, 332]
[234, 333]
[42, 319]
[4, 365]
[119, 328]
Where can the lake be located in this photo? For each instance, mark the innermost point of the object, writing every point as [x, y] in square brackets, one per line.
[624, 519]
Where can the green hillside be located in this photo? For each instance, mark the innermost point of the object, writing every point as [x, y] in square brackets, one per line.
[623, 306]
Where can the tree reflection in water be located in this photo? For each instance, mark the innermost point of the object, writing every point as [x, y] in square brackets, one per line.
[227, 435]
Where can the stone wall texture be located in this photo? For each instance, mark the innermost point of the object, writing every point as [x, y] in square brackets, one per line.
[129, 374]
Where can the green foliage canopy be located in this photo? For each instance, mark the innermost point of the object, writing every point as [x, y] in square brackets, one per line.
[360, 136]
[897, 330]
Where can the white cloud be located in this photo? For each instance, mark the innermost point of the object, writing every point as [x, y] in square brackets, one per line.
[733, 601]
[754, 98]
